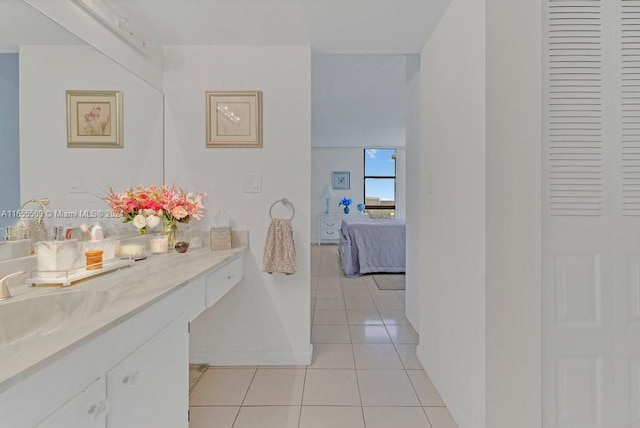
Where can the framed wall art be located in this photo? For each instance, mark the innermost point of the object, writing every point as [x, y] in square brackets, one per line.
[94, 119]
[342, 180]
[234, 119]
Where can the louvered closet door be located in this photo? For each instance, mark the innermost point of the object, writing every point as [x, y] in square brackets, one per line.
[626, 40]
[591, 260]
[578, 269]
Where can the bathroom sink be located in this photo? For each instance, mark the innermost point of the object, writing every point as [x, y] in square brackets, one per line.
[15, 249]
[39, 316]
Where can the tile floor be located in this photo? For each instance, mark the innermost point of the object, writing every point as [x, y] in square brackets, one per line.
[364, 371]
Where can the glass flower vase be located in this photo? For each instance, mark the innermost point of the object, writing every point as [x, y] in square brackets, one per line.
[346, 210]
[169, 229]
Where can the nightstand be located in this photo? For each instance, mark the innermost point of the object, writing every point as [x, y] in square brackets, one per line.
[330, 228]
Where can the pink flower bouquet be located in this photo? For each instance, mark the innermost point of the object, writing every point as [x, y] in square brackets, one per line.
[146, 208]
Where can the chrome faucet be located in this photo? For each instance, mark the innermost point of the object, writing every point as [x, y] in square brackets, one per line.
[4, 286]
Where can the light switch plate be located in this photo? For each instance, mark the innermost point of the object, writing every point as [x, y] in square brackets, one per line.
[252, 183]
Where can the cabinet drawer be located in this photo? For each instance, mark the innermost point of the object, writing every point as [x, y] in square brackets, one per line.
[87, 410]
[330, 234]
[330, 221]
[223, 279]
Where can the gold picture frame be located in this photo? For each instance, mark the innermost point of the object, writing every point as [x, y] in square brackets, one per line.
[94, 119]
[234, 119]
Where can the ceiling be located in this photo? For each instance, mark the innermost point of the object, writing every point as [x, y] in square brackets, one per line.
[328, 26]
[21, 24]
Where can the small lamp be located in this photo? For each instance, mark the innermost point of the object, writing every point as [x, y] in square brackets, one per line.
[328, 194]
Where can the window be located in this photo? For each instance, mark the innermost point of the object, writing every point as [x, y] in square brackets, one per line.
[380, 182]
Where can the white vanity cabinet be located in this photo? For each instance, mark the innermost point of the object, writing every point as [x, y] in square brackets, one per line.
[86, 410]
[150, 387]
[218, 283]
[133, 373]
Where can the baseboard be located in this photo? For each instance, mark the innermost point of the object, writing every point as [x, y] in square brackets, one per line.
[252, 358]
[458, 415]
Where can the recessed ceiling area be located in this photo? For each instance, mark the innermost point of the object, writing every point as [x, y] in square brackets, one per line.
[328, 26]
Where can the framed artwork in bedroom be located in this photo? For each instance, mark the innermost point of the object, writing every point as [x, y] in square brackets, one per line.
[342, 180]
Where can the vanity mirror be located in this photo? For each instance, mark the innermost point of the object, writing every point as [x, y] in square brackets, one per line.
[39, 62]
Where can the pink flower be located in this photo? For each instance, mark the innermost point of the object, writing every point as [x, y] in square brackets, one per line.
[179, 212]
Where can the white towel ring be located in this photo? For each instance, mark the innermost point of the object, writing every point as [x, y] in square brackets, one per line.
[283, 201]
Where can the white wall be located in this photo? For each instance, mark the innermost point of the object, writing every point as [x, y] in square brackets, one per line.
[266, 318]
[413, 191]
[48, 168]
[358, 100]
[514, 213]
[324, 161]
[452, 222]
[77, 21]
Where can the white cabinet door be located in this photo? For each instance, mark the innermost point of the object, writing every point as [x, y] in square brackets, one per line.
[86, 410]
[150, 388]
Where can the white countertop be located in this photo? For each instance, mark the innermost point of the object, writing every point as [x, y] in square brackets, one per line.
[134, 289]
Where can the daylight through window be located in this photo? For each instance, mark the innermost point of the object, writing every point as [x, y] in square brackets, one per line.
[380, 182]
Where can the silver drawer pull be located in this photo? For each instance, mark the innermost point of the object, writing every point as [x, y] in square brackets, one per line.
[330, 232]
[330, 224]
[96, 410]
[131, 379]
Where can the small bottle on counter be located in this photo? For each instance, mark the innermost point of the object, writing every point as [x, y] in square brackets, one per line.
[94, 259]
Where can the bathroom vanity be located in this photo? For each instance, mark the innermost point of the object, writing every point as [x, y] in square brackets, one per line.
[112, 351]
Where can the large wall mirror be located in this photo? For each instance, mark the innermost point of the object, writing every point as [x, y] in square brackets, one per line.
[39, 62]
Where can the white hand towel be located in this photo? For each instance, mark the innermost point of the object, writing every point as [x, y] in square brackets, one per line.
[279, 249]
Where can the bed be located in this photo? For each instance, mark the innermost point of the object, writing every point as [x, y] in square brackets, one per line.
[372, 245]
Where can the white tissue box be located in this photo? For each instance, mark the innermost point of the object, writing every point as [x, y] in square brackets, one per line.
[57, 258]
[220, 238]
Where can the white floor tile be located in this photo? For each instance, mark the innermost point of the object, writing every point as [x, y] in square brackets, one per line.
[402, 294]
[393, 417]
[350, 293]
[427, 393]
[359, 303]
[329, 304]
[404, 334]
[386, 388]
[369, 334]
[268, 417]
[213, 417]
[333, 417]
[222, 387]
[440, 417]
[394, 317]
[332, 356]
[359, 287]
[390, 303]
[330, 317]
[376, 356]
[330, 283]
[408, 356]
[371, 317]
[330, 334]
[276, 387]
[331, 388]
[329, 293]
